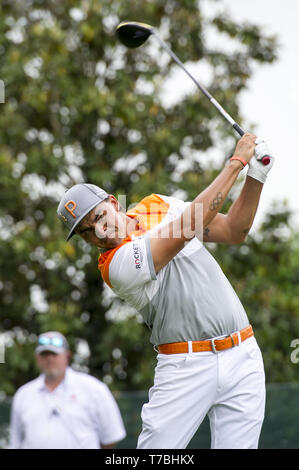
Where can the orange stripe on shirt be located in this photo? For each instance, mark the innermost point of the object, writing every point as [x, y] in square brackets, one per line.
[150, 211]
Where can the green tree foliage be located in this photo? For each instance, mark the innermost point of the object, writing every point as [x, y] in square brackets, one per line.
[81, 107]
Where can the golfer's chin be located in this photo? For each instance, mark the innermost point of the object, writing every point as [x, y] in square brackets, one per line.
[108, 243]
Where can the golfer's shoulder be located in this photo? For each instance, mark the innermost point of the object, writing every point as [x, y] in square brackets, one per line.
[163, 199]
[152, 198]
[157, 206]
[149, 204]
[174, 203]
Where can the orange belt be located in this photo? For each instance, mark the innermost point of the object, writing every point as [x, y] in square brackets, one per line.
[215, 344]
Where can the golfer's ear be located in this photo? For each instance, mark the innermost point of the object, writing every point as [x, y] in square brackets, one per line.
[115, 202]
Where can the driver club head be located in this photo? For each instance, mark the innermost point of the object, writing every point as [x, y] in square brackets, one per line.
[133, 34]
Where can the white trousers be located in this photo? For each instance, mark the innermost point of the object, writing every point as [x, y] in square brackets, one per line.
[228, 386]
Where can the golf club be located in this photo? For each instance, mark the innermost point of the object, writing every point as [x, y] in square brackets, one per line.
[133, 35]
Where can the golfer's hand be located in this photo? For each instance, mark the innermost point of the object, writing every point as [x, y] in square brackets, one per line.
[257, 169]
[245, 147]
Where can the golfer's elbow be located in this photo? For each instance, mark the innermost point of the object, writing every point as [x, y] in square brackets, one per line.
[239, 237]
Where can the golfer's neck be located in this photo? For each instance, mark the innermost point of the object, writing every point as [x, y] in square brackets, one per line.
[132, 224]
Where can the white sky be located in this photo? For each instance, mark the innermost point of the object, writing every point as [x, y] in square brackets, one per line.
[272, 98]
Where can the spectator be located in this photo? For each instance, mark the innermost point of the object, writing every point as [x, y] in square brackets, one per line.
[63, 408]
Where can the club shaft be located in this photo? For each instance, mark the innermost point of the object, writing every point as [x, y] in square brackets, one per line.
[201, 88]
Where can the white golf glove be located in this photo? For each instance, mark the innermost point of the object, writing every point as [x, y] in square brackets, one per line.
[257, 169]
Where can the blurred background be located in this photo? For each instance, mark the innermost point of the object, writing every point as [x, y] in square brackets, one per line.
[80, 107]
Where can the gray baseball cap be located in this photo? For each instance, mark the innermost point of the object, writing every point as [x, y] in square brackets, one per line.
[77, 202]
[51, 341]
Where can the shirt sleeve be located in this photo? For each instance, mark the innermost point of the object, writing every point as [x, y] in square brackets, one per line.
[16, 426]
[132, 265]
[108, 418]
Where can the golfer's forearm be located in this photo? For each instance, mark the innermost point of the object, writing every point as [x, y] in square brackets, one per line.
[242, 213]
[210, 201]
[169, 239]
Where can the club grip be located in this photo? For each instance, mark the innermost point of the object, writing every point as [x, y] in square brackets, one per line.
[266, 160]
[238, 129]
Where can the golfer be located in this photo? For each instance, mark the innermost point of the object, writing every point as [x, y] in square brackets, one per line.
[153, 257]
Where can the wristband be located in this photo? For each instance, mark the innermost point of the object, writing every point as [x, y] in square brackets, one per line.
[240, 160]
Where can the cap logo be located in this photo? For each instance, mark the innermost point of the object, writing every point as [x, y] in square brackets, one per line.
[62, 216]
[72, 208]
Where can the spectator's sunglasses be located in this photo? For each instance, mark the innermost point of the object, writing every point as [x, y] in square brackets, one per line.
[44, 341]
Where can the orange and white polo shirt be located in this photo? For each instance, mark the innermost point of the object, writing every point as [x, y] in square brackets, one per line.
[189, 299]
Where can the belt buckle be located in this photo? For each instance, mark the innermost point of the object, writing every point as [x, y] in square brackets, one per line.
[213, 342]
